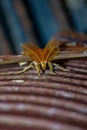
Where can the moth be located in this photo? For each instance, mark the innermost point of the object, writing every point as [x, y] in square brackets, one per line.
[40, 59]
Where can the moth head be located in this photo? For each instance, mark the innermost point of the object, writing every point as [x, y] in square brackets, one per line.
[43, 65]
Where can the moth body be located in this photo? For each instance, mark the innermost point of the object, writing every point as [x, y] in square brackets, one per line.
[43, 65]
[41, 58]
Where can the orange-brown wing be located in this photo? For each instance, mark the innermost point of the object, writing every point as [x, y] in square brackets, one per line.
[52, 43]
[72, 51]
[32, 51]
[51, 49]
[8, 59]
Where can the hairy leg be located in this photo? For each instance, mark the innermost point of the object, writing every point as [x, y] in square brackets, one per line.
[50, 65]
[26, 68]
[60, 67]
[37, 66]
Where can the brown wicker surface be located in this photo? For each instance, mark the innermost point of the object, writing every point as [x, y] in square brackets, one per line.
[48, 102]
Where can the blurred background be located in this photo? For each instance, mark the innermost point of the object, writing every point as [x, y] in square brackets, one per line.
[38, 21]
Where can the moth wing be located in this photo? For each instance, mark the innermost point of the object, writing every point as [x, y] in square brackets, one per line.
[13, 59]
[72, 51]
[32, 51]
[52, 43]
[27, 46]
[51, 49]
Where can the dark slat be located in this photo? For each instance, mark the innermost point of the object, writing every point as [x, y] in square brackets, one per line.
[45, 22]
[15, 29]
[25, 20]
[4, 41]
[77, 12]
[59, 14]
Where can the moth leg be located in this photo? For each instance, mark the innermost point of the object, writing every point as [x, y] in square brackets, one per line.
[60, 67]
[37, 66]
[26, 68]
[50, 65]
[22, 63]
